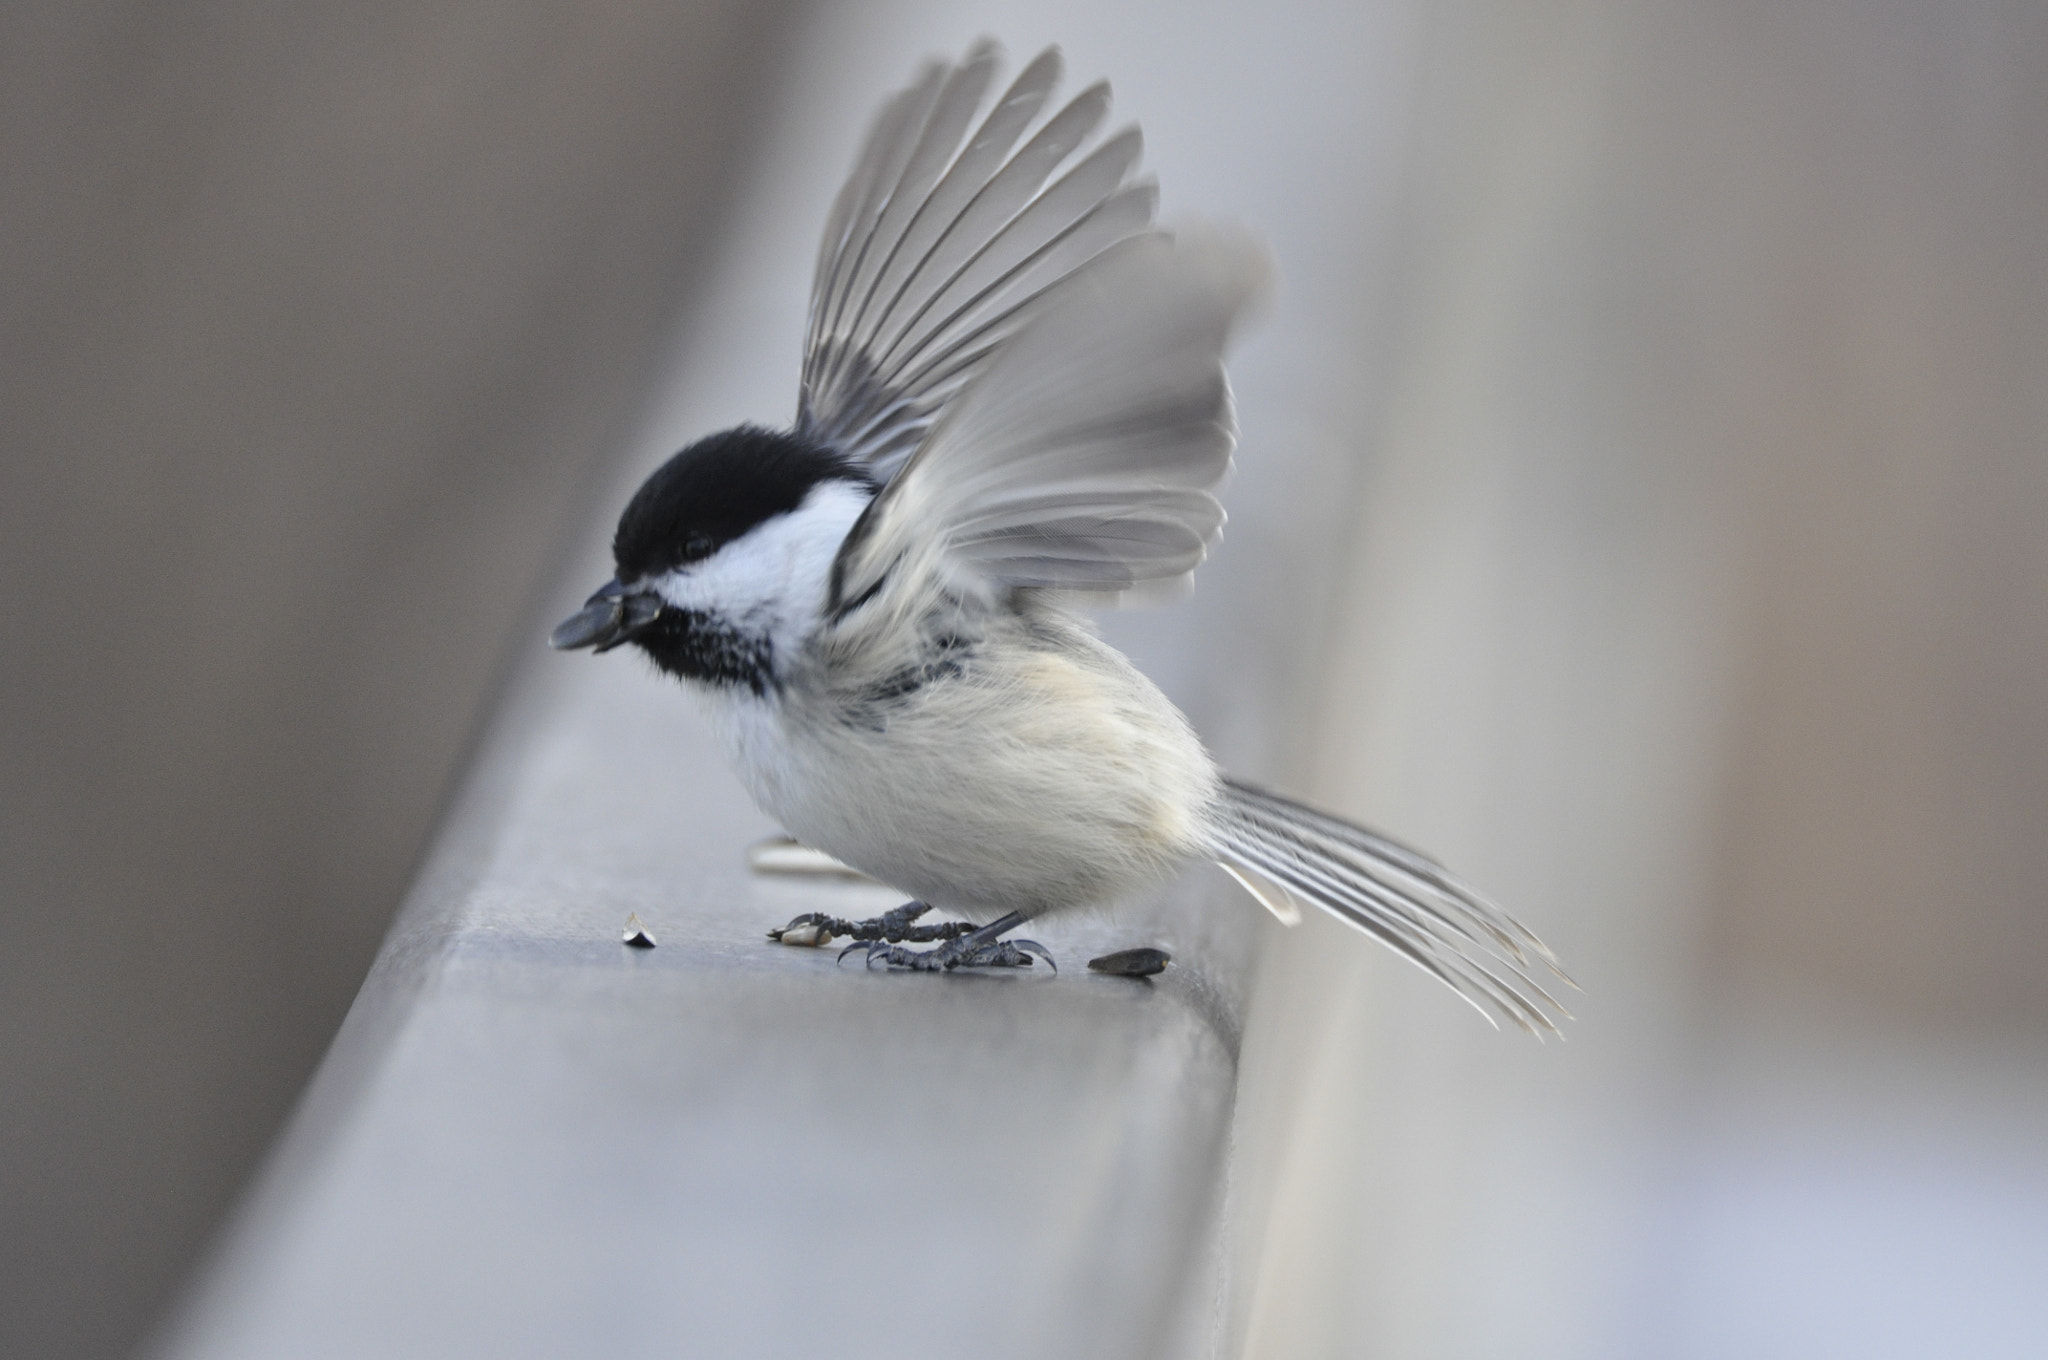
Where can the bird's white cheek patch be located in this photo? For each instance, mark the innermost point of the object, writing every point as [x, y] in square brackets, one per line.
[771, 581]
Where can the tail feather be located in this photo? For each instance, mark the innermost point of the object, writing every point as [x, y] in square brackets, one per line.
[1396, 895]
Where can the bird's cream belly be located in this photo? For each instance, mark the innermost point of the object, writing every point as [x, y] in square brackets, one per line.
[1046, 792]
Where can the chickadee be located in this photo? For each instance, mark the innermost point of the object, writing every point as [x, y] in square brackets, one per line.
[1012, 398]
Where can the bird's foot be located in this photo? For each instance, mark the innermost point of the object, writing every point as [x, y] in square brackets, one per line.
[895, 927]
[995, 954]
[976, 949]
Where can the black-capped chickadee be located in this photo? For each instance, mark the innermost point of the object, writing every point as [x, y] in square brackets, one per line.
[1013, 397]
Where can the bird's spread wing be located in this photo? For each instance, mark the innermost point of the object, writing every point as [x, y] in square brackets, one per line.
[1032, 371]
[1082, 456]
[941, 240]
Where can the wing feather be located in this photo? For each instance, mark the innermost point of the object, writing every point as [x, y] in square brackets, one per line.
[923, 249]
[954, 103]
[934, 250]
[850, 226]
[1082, 456]
[997, 277]
[953, 350]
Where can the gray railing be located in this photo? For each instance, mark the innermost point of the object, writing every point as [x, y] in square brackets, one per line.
[530, 1139]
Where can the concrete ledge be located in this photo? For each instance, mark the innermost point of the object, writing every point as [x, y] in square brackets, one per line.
[533, 1140]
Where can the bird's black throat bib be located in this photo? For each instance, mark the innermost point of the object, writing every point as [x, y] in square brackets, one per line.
[693, 646]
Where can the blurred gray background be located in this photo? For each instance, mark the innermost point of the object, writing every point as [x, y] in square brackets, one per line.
[312, 325]
[1700, 484]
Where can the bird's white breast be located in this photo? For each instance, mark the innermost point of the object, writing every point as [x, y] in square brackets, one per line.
[1045, 773]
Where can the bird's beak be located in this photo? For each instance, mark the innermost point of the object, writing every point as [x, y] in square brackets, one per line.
[608, 618]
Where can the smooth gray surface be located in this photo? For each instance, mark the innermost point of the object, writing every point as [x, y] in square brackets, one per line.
[313, 322]
[533, 1140]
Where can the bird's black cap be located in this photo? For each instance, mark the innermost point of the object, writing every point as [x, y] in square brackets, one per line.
[717, 489]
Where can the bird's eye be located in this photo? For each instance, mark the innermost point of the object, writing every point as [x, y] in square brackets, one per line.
[696, 547]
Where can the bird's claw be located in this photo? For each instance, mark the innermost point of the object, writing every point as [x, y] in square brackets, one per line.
[1017, 954]
[816, 928]
[948, 956]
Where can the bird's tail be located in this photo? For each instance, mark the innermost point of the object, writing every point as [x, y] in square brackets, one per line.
[1285, 852]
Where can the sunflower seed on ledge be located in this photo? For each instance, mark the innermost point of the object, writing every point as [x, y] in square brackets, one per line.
[637, 933]
[1131, 963]
[802, 933]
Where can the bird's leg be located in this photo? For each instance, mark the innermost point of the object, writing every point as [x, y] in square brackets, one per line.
[973, 949]
[816, 928]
